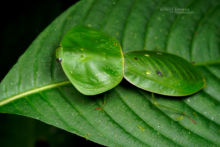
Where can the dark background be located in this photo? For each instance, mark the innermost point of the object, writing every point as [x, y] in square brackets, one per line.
[21, 22]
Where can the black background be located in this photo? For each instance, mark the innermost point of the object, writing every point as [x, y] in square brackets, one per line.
[21, 22]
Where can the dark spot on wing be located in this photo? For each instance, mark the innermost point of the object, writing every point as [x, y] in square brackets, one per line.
[135, 58]
[159, 73]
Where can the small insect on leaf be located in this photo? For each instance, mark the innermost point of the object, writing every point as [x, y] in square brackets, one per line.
[162, 73]
[92, 60]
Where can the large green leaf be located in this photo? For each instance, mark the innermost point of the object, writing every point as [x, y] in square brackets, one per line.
[125, 116]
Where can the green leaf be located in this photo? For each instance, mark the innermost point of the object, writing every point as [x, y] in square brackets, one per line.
[162, 73]
[125, 116]
[92, 60]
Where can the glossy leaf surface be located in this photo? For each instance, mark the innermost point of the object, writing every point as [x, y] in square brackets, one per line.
[125, 116]
[92, 60]
[162, 73]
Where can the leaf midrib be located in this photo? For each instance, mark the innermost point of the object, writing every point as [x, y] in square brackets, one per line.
[32, 91]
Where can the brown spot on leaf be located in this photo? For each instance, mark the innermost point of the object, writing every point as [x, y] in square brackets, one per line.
[99, 108]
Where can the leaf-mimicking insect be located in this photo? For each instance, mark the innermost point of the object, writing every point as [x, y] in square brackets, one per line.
[94, 63]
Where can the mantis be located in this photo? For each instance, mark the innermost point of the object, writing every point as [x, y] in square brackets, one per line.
[95, 63]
